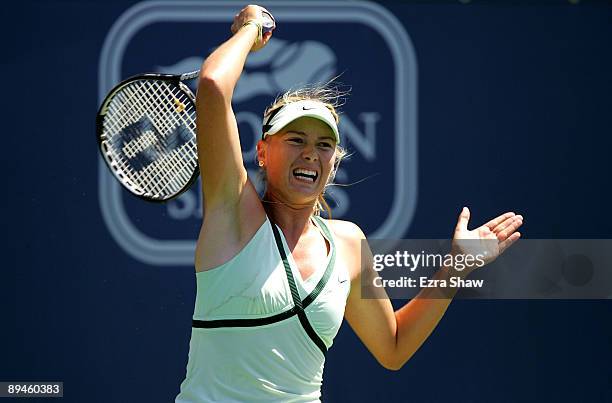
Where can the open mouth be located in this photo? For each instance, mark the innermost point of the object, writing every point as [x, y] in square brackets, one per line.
[305, 175]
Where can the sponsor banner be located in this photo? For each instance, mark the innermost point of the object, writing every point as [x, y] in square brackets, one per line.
[361, 42]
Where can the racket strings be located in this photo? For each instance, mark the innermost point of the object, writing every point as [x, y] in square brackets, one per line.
[150, 130]
[179, 158]
[140, 143]
[127, 116]
[157, 172]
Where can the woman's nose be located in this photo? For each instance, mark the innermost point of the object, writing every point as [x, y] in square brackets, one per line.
[310, 154]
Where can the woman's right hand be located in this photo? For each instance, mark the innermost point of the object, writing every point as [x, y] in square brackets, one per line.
[249, 13]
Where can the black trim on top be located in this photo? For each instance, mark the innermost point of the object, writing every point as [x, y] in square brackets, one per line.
[332, 259]
[299, 305]
[210, 324]
[311, 332]
[296, 296]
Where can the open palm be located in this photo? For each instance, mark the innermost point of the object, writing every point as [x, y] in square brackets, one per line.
[490, 239]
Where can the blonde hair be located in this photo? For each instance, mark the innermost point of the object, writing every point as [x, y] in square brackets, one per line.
[332, 97]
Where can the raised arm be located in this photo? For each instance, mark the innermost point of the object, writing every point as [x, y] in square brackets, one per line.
[219, 152]
[393, 337]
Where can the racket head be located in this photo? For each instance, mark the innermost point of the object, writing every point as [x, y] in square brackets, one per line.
[145, 130]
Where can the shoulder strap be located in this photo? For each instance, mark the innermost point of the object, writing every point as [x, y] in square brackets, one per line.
[330, 266]
[295, 295]
[281, 249]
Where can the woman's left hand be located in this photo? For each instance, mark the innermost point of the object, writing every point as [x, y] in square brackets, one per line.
[490, 239]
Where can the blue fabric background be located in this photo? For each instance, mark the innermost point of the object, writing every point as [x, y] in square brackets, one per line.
[514, 94]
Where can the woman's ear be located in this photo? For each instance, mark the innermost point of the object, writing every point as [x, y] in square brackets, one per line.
[261, 152]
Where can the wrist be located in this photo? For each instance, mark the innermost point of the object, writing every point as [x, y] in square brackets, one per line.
[452, 271]
[258, 26]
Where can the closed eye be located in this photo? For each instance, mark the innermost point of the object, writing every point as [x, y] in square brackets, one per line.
[297, 140]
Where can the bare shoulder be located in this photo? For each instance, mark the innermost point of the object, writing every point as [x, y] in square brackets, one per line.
[227, 228]
[346, 230]
[349, 237]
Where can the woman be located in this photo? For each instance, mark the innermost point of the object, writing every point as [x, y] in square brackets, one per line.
[274, 280]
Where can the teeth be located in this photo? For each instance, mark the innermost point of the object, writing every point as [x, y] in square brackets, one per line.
[305, 171]
[305, 174]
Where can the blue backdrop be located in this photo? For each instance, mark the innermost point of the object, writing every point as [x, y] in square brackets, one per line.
[505, 106]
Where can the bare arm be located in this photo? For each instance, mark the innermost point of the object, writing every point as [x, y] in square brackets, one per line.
[393, 337]
[233, 209]
[219, 152]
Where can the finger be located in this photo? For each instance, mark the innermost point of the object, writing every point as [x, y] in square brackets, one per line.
[236, 23]
[266, 37]
[253, 11]
[506, 223]
[498, 220]
[508, 231]
[508, 242]
[464, 219]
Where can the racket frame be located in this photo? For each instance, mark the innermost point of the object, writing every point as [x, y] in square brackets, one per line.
[269, 24]
[174, 79]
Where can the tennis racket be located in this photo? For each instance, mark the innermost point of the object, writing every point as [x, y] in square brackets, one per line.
[147, 133]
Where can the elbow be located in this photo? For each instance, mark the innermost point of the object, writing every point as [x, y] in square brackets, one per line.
[210, 85]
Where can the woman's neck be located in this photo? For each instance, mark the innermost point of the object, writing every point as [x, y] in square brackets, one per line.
[294, 220]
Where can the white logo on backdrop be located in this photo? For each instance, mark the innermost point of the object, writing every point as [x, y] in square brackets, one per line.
[280, 67]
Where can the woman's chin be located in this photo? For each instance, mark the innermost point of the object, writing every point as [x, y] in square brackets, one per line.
[306, 190]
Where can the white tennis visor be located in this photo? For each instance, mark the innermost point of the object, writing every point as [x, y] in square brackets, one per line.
[279, 118]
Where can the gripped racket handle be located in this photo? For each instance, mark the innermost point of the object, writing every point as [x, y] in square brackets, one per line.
[269, 23]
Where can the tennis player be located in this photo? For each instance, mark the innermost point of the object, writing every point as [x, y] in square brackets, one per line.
[274, 279]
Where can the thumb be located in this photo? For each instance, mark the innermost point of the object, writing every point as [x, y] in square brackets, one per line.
[463, 220]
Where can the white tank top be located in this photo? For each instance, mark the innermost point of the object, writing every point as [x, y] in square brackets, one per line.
[248, 343]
